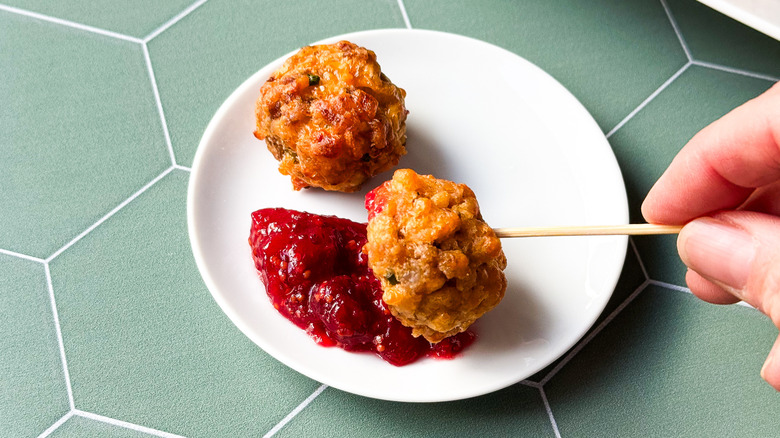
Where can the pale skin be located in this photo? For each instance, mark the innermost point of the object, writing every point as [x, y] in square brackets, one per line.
[725, 186]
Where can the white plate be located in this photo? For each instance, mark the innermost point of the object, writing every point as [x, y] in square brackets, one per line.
[478, 115]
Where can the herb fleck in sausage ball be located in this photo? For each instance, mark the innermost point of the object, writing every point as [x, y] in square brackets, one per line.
[440, 265]
[332, 118]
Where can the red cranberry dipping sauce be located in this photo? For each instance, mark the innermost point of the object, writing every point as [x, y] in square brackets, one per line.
[317, 276]
[376, 200]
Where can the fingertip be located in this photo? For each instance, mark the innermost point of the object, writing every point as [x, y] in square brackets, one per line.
[655, 207]
[666, 203]
[770, 372]
[648, 209]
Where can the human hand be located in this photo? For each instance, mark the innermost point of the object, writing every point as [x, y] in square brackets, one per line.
[725, 186]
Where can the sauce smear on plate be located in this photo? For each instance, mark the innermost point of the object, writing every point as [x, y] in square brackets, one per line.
[317, 276]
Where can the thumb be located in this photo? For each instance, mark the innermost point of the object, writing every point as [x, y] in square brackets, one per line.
[740, 252]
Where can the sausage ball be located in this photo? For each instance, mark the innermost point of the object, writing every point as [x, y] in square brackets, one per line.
[440, 265]
[332, 118]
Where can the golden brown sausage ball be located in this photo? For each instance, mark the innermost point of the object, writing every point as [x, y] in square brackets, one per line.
[332, 118]
[440, 265]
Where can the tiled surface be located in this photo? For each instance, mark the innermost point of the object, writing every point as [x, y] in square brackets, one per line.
[714, 37]
[103, 107]
[144, 340]
[661, 370]
[81, 131]
[611, 54]
[81, 427]
[515, 411]
[259, 32]
[137, 18]
[33, 393]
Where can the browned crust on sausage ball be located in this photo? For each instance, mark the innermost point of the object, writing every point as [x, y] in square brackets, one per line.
[440, 265]
[331, 118]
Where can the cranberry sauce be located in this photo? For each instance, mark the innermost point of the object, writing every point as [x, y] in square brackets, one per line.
[376, 200]
[317, 276]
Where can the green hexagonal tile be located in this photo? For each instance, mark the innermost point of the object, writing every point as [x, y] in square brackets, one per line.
[631, 278]
[137, 18]
[81, 131]
[33, 392]
[670, 365]
[611, 54]
[81, 427]
[515, 411]
[647, 143]
[145, 341]
[714, 37]
[258, 33]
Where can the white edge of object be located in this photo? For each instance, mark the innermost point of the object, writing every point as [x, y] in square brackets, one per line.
[747, 12]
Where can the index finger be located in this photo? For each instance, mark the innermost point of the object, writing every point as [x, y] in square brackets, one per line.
[721, 165]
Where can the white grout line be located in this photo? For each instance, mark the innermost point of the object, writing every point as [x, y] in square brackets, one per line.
[184, 168]
[125, 424]
[56, 425]
[686, 290]
[60, 342]
[735, 71]
[295, 412]
[404, 14]
[157, 100]
[21, 256]
[714, 66]
[669, 286]
[649, 98]
[639, 258]
[677, 31]
[69, 23]
[593, 334]
[173, 20]
[530, 383]
[549, 412]
[109, 214]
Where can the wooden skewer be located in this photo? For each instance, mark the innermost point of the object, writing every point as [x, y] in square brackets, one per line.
[588, 230]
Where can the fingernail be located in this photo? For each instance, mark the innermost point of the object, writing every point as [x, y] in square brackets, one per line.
[718, 251]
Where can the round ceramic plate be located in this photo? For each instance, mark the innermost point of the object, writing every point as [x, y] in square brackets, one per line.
[478, 115]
